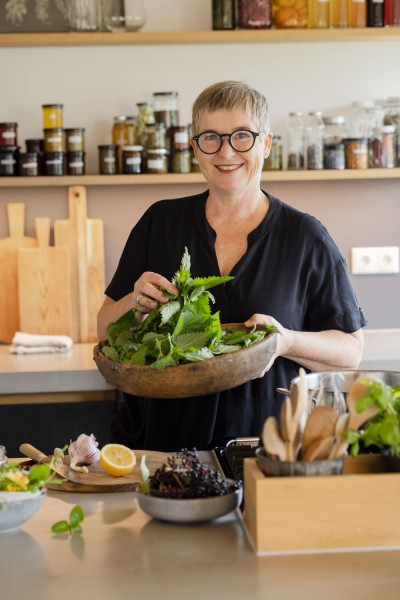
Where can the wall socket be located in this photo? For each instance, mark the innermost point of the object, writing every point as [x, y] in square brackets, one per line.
[375, 261]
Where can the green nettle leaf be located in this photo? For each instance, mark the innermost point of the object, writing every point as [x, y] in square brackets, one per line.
[60, 527]
[76, 515]
[181, 330]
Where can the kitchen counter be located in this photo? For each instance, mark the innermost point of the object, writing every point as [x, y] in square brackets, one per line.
[122, 553]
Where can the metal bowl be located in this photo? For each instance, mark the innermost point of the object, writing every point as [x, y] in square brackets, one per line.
[200, 378]
[192, 510]
[298, 468]
[14, 512]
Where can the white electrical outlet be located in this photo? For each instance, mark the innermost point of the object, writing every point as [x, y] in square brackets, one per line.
[375, 261]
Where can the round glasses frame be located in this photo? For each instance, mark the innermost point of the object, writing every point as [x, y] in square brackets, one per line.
[229, 136]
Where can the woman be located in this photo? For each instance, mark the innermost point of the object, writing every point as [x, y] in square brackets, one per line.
[287, 272]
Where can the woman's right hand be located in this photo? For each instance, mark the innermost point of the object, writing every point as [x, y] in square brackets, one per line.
[147, 294]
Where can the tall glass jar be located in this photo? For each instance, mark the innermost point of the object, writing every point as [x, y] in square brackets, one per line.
[166, 110]
[392, 13]
[223, 14]
[295, 141]
[254, 14]
[339, 13]
[375, 13]
[84, 15]
[319, 14]
[144, 117]
[357, 13]
[274, 162]
[293, 16]
[362, 118]
[52, 116]
[315, 141]
[392, 117]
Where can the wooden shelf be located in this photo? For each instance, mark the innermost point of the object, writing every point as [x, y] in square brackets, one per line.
[190, 178]
[198, 37]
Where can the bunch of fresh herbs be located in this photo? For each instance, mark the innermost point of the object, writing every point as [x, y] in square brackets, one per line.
[383, 430]
[182, 330]
[17, 479]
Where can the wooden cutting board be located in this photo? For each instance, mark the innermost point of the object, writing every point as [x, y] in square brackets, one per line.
[44, 286]
[85, 241]
[9, 313]
[97, 480]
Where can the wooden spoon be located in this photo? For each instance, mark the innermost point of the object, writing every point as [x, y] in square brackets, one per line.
[340, 446]
[319, 449]
[273, 443]
[357, 390]
[320, 424]
[288, 428]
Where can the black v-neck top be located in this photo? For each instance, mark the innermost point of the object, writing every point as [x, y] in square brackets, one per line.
[292, 270]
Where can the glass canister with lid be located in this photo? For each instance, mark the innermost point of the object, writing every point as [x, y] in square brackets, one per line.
[155, 136]
[362, 119]
[314, 134]
[290, 14]
[132, 160]
[157, 161]
[223, 14]
[166, 109]
[392, 117]
[29, 164]
[254, 14]
[274, 162]
[296, 140]
[9, 161]
[108, 159]
[52, 116]
[334, 134]
[144, 117]
[357, 153]
[54, 140]
[8, 134]
[75, 139]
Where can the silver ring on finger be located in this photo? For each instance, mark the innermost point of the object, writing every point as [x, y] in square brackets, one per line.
[138, 300]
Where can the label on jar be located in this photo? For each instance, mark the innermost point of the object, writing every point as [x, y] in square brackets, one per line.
[359, 150]
[109, 159]
[8, 135]
[75, 139]
[8, 161]
[155, 163]
[30, 165]
[134, 160]
[54, 140]
[54, 162]
[181, 137]
[53, 116]
[76, 164]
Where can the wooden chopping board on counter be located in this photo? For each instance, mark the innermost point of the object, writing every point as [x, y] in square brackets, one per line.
[98, 481]
[9, 313]
[44, 286]
[84, 239]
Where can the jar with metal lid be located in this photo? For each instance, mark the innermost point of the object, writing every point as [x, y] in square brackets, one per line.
[76, 163]
[52, 116]
[54, 163]
[179, 137]
[132, 159]
[8, 134]
[335, 129]
[357, 13]
[75, 139]
[157, 161]
[223, 14]
[144, 117]
[166, 109]
[29, 164]
[108, 159]
[319, 14]
[34, 145]
[54, 140]
[274, 162]
[180, 161]
[315, 141]
[155, 136]
[339, 14]
[362, 118]
[120, 131]
[388, 146]
[296, 141]
[254, 14]
[9, 161]
[3, 456]
[294, 16]
[334, 154]
[356, 153]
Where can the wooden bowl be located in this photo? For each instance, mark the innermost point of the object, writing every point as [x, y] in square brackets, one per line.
[222, 372]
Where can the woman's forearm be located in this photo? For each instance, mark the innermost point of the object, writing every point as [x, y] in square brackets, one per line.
[110, 311]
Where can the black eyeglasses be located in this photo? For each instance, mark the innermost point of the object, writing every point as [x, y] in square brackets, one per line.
[241, 140]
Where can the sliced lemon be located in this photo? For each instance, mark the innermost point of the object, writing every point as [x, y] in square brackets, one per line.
[117, 460]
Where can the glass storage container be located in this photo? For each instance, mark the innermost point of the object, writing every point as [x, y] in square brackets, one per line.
[75, 139]
[54, 163]
[3, 456]
[274, 162]
[362, 119]
[319, 14]
[132, 159]
[314, 134]
[76, 163]
[180, 161]
[144, 117]
[357, 153]
[339, 13]
[223, 14]
[166, 110]
[392, 16]
[54, 140]
[52, 116]
[254, 14]
[155, 136]
[334, 155]
[290, 14]
[108, 159]
[9, 161]
[157, 161]
[296, 141]
[357, 13]
[375, 13]
[8, 134]
[179, 137]
[29, 164]
[34, 145]
[84, 15]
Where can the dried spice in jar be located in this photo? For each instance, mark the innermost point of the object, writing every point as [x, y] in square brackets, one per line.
[52, 116]
[274, 162]
[132, 159]
[155, 136]
[254, 14]
[356, 153]
[290, 14]
[54, 163]
[179, 137]
[166, 110]
[8, 134]
[29, 164]
[54, 140]
[76, 163]
[223, 14]
[9, 161]
[157, 161]
[75, 139]
[34, 145]
[388, 146]
[180, 161]
[334, 155]
[108, 159]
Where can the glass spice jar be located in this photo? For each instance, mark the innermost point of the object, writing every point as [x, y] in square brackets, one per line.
[155, 136]
[166, 109]
[334, 155]
[180, 161]
[314, 134]
[254, 14]
[179, 137]
[34, 145]
[223, 14]
[76, 163]
[8, 134]
[356, 153]
[157, 161]
[54, 163]
[75, 139]
[54, 140]
[388, 146]
[144, 117]
[52, 116]
[132, 160]
[290, 14]
[108, 159]
[29, 164]
[194, 163]
[274, 162]
[296, 141]
[9, 161]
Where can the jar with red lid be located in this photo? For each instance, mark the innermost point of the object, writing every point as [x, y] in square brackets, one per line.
[29, 164]
[8, 134]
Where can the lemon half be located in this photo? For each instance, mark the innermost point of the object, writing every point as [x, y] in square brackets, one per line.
[117, 460]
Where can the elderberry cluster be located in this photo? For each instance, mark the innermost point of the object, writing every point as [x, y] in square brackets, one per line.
[184, 476]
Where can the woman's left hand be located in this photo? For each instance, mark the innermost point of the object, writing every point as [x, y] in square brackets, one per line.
[284, 337]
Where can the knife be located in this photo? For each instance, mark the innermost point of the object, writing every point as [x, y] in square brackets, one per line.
[39, 457]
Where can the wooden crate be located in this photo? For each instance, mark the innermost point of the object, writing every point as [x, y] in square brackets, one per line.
[358, 510]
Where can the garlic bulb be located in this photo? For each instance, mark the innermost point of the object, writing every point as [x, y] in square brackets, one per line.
[84, 451]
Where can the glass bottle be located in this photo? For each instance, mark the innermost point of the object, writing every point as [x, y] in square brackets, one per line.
[339, 13]
[84, 15]
[357, 13]
[392, 117]
[319, 14]
[375, 13]
[295, 141]
[223, 14]
[315, 141]
[254, 14]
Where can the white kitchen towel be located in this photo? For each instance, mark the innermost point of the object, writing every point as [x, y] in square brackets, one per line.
[32, 343]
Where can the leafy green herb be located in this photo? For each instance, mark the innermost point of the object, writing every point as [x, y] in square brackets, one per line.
[180, 331]
[14, 478]
[144, 482]
[76, 517]
[383, 430]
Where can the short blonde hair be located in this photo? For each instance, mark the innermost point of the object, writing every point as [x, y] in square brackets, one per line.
[231, 95]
